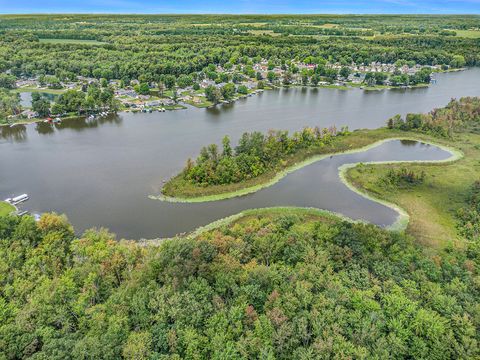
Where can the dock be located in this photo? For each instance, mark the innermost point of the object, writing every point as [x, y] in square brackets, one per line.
[17, 199]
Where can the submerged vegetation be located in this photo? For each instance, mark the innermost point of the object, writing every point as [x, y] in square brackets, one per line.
[283, 285]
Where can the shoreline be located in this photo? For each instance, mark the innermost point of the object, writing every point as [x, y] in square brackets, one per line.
[181, 105]
[331, 215]
[284, 172]
[400, 224]
[38, 120]
[403, 217]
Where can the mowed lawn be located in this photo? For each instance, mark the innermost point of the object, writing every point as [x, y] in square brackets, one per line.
[72, 41]
[433, 205]
[5, 208]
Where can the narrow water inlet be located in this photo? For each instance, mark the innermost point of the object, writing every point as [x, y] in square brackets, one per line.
[320, 185]
[101, 172]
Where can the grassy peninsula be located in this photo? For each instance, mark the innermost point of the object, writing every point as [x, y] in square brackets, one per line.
[261, 160]
[179, 189]
[433, 203]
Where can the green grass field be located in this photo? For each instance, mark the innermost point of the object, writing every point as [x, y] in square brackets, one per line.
[472, 34]
[203, 104]
[41, 90]
[72, 41]
[5, 208]
[264, 32]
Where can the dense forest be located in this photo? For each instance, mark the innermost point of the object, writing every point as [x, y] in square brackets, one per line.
[254, 154]
[146, 47]
[456, 116]
[281, 286]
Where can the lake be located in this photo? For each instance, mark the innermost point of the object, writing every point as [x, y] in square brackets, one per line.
[100, 173]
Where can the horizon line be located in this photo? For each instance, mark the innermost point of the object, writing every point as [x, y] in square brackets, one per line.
[239, 14]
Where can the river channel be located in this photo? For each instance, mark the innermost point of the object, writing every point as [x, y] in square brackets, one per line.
[101, 172]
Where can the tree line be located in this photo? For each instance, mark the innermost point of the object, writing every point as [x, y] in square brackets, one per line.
[457, 115]
[469, 217]
[254, 155]
[130, 47]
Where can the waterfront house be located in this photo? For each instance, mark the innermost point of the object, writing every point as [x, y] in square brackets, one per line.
[27, 83]
[153, 103]
[126, 92]
[168, 102]
[29, 114]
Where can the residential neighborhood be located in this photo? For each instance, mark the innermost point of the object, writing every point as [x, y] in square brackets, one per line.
[225, 83]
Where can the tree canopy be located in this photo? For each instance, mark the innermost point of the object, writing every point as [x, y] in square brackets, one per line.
[281, 285]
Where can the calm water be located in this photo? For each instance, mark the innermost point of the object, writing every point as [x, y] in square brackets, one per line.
[100, 173]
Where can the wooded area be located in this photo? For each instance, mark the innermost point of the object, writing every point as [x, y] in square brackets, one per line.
[285, 286]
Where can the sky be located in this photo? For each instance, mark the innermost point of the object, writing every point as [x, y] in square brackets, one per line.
[242, 6]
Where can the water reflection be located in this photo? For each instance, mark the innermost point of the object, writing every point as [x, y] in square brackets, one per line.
[218, 110]
[408, 142]
[44, 128]
[17, 133]
[82, 123]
